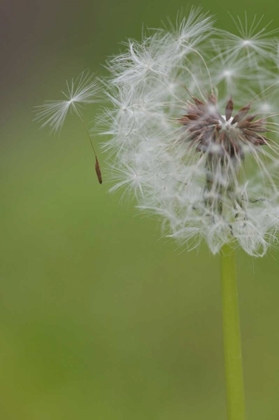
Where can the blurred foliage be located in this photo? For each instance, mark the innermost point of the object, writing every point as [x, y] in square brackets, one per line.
[101, 317]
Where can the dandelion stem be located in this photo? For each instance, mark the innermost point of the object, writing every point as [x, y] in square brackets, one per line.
[232, 337]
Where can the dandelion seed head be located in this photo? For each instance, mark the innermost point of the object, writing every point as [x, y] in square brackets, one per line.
[193, 127]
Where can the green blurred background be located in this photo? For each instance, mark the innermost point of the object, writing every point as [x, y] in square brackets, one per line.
[101, 318]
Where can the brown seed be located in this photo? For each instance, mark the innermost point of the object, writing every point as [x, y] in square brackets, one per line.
[98, 171]
[229, 109]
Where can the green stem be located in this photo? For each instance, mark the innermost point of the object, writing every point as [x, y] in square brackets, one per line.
[232, 337]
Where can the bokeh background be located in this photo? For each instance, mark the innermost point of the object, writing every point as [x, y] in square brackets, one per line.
[101, 318]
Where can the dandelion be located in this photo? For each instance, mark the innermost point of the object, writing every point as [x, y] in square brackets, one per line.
[192, 117]
[193, 126]
[81, 91]
[193, 133]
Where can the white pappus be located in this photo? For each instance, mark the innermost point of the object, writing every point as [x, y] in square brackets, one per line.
[193, 129]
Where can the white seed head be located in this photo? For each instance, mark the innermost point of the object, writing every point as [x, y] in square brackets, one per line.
[193, 129]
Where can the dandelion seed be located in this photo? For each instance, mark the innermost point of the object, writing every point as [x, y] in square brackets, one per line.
[195, 134]
[81, 91]
[253, 38]
[98, 171]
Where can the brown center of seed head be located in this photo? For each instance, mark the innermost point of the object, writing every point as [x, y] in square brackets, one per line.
[223, 135]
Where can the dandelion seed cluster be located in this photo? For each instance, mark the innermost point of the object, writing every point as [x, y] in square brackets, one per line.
[192, 117]
[193, 131]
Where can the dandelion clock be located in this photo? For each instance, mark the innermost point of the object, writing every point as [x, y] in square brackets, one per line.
[190, 114]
